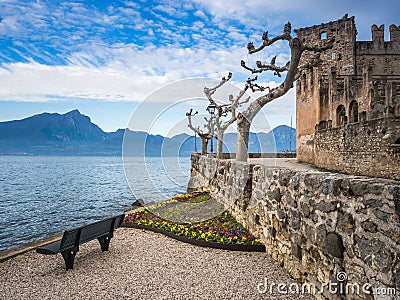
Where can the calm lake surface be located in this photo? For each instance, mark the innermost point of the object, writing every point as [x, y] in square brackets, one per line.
[41, 196]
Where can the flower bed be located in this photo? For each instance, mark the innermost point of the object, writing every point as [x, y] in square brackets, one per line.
[221, 231]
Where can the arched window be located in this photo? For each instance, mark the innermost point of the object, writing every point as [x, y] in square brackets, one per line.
[340, 115]
[353, 111]
[323, 35]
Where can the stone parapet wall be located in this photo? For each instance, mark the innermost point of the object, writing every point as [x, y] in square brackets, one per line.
[364, 148]
[315, 224]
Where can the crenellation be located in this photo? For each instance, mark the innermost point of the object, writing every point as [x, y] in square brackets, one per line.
[378, 35]
[394, 33]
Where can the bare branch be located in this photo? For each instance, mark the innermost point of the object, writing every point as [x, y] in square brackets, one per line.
[255, 87]
[266, 67]
[190, 114]
[267, 42]
[210, 91]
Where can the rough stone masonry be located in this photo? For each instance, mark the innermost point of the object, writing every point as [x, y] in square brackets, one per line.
[316, 224]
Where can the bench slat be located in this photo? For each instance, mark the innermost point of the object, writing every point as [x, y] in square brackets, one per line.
[96, 230]
[52, 248]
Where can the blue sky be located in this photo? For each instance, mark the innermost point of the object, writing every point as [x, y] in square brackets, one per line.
[105, 57]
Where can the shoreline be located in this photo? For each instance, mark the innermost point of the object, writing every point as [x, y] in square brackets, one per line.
[21, 249]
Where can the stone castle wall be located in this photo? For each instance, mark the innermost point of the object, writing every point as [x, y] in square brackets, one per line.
[357, 81]
[363, 148]
[315, 224]
[383, 56]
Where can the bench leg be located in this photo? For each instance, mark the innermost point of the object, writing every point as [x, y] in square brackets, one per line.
[104, 242]
[69, 257]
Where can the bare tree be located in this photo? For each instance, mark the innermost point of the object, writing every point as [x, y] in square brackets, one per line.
[205, 136]
[224, 109]
[293, 71]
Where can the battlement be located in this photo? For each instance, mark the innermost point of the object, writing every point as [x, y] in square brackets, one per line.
[378, 34]
[394, 33]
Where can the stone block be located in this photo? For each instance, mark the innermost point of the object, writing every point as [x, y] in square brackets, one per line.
[305, 209]
[334, 245]
[327, 206]
[331, 186]
[275, 194]
[281, 214]
[312, 180]
[285, 176]
[297, 251]
[295, 181]
[295, 220]
[345, 223]
[369, 226]
[382, 215]
[372, 203]
[374, 253]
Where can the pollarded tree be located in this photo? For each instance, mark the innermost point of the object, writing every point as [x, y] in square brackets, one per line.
[205, 136]
[293, 70]
[223, 110]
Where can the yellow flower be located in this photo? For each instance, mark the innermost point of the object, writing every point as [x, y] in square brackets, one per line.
[203, 236]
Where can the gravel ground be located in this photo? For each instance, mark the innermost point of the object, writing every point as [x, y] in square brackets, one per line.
[143, 265]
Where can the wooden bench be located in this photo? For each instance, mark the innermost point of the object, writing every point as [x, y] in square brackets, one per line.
[68, 246]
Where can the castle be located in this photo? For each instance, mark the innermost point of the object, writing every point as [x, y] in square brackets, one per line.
[348, 108]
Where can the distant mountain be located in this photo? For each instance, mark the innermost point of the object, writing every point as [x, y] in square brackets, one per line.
[70, 127]
[74, 134]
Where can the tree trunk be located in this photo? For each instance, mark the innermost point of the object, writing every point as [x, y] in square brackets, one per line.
[204, 143]
[220, 143]
[243, 126]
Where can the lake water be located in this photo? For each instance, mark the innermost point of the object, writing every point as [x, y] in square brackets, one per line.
[41, 196]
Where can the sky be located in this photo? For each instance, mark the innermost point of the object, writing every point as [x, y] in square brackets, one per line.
[106, 58]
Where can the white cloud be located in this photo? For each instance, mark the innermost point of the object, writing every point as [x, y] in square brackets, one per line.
[166, 9]
[271, 15]
[129, 73]
[199, 13]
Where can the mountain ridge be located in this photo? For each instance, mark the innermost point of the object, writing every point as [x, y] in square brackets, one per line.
[73, 133]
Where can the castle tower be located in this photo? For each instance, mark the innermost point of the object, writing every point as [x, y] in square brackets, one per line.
[313, 88]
